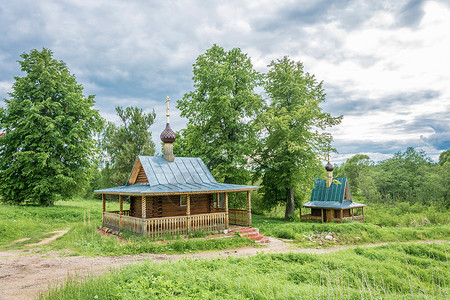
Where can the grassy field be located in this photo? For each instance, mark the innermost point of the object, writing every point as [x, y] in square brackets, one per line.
[83, 217]
[396, 223]
[383, 224]
[398, 271]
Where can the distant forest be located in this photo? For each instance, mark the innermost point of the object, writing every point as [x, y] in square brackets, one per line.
[409, 176]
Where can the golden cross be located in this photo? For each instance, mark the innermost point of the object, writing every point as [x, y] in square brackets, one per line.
[167, 112]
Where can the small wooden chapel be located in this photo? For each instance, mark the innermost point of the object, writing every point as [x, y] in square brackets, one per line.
[331, 201]
[173, 195]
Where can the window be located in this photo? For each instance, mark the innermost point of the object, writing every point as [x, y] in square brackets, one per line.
[183, 200]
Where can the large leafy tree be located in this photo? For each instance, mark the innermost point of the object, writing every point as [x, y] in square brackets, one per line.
[220, 110]
[48, 145]
[124, 142]
[293, 138]
[352, 168]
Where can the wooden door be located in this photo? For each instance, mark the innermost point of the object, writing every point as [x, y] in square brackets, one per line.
[329, 211]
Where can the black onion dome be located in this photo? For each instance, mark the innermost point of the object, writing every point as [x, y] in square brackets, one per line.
[329, 167]
[168, 136]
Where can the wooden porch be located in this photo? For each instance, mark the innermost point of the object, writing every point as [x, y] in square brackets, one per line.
[176, 225]
[332, 215]
[214, 219]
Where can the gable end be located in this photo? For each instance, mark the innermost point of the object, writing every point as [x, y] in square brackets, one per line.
[137, 175]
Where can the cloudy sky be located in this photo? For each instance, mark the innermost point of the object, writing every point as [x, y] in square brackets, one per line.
[385, 64]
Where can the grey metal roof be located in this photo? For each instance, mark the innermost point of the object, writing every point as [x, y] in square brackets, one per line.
[184, 175]
[333, 204]
[191, 170]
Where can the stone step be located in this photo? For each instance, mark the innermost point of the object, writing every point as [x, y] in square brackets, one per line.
[253, 234]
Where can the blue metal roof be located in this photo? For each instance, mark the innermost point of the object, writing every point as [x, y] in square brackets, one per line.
[331, 197]
[334, 193]
[184, 175]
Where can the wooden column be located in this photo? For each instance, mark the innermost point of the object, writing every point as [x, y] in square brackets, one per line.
[362, 213]
[249, 208]
[188, 211]
[226, 211]
[342, 215]
[144, 214]
[217, 201]
[321, 215]
[120, 211]
[104, 208]
[300, 213]
[352, 213]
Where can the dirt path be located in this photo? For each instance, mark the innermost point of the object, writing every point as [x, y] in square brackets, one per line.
[23, 275]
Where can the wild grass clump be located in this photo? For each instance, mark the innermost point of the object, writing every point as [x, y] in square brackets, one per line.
[386, 272]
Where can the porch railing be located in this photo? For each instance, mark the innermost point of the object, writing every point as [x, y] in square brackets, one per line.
[238, 217]
[319, 218]
[166, 225]
[311, 218]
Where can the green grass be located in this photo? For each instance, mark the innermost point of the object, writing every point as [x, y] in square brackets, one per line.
[398, 223]
[17, 222]
[83, 217]
[398, 271]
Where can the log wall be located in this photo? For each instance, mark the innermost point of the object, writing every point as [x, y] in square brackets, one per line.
[169, 206]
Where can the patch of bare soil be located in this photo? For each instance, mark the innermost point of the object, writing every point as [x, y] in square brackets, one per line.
[24, 274]
[48, 240]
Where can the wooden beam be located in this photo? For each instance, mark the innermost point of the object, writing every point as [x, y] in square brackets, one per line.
[144, 214]
[249, 208]
[134, 173]
[144, 207]
[120, 211]
[188, 211]
[226, 211]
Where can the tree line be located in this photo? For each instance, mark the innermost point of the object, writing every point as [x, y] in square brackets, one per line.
[409, 176]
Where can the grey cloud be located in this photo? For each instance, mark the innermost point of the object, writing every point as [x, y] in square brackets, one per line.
[364, 146]
[440, 124]
[341, 102]
[411, 14]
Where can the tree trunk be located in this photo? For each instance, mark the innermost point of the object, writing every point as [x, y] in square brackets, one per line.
[290, 207]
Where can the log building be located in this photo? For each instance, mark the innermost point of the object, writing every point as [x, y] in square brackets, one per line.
[174, 195]
[331, 201]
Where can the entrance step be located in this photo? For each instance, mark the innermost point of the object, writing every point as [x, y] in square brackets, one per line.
[253, 234]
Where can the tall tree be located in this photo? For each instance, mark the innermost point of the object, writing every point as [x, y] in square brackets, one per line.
[220, 112]
[293, 133]
[353, 167]
[48, 144]
[124, 142]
